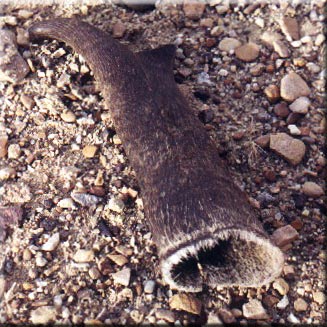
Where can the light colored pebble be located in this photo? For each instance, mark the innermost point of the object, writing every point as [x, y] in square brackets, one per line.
[7, 173]
[254, 310]
[89, 151]
[118, 259]
[116, 205]
[186, 302]
[94, 273]
[85, 200]
[247, 52]
[14, 151]
[51, 243]
[283, 303]
[312, 189]
[149, 286]
[68, 116]
[227, 44]
[281, 286]
[166, 315]
[300, 305]
[83, 255]
[300, 105]
[40, 261]
[294, 130]
[293, 86]
[66, 203]
[292, 319]
[319, 297]
[43, 315]
[122, 277]
[284, 235]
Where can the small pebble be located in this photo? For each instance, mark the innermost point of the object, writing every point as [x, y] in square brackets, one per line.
[149, 286]
[300, 105]
[247, 52]
[283, 303]
[312, 189]
[116, 205]
[7, 173]
[51, 243]
[122, 277]
[118, 259]
[272, 93]
[14, 151]
[281, 48]
[227, 44]
[83, 255]
[166, 315]
[186, 302]
[94, 273]
[43, 315]
[89, 151]
[254, 310]
[284, 235]
[281, 110]
[281, 286]
[193, 10]
[118, 30]
[290, 28]
[319, 297]
[40, 261]
[294, 130]
[66, 203]
[68, 116]
[293, 86]
[85, 200]
[300, 305]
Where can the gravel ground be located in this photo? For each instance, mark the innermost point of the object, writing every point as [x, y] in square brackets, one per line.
[75, 247]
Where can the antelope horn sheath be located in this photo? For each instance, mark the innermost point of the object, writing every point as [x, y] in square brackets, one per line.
[205, 230]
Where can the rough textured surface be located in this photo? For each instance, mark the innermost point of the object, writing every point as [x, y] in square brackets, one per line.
[51, 166]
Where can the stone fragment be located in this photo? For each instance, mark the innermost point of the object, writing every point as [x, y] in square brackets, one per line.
[257, 70]
[43, 315]
[289, 148]
[85, 200]
[270, 300]
[27, 101]
[149, 286]
[24, 14]
[292, 319]
[118, 259]
[83, 255]
[40, 261]
[27, 255]
[263, 141]
[293, 86]
[186, 302]
[216, 31]
[284, 235]
[272, 93]
[193, 10]
[226, 316]
[254, 310]
[166, 315]
[319, 297]
[51, 243]
[281, 110]
[294, 130]
[2, 286]
[7, 173]
[122, 277]
[268, 38]
[227, 44]
[9, 217]
[89, 151]
[94, 273]
[13, 67]
[14, 151]
[68, 116]
[281, 48]
[312, 189]
[116, 205]
[66, 203]
[281, 286]
[222, 9]
[118, 30]
[290, 28]
[206, 22]
[247, 52]
[283, 303]
[300, 305]
[3, 145]
[300, 105]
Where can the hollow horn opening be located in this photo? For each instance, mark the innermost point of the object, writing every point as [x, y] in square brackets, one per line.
[229, 258]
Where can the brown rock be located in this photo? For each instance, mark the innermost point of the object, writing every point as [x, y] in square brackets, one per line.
[300, 305]
[254, 310]
[226, 316]
[293, 86]
[293, 118]
[270, 300]
[27, 101]
[118, 30]
[89, 151]
[319, 297]
[290, 28]
[263, 141]
[247, 52]
[227, 44]
[284, 235]
[118, 259]
[193, 10]
[186, 302]
[312, 189]
[165, 315]
[3, 145]
[281, 110]
[272, 93]
[300, 105]
[289, 148]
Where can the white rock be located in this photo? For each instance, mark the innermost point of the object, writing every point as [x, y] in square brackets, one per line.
[294, 130]
[227, 44]
[66, 203]
[300, 105]
[51, 243]
[292, 319]
[85, 200]
[40, 261]
[313, 68]
[122, 277]
[83, 255]
[116, 205]
[283, 303]
[149, 286]
[43, 315]
[254, 310]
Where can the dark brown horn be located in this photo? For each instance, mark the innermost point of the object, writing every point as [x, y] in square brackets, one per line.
[201, 221]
